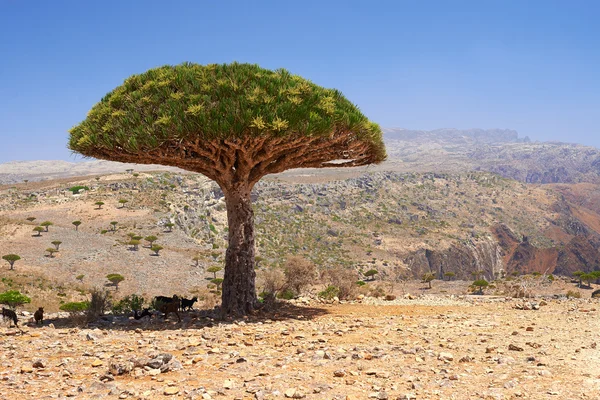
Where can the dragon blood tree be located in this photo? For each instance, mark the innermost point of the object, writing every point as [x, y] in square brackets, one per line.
[234, 123]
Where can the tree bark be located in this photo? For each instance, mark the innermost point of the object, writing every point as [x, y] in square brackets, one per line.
[239, 289]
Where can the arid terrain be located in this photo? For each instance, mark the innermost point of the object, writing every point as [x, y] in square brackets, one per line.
[430, 347]
[532, 334]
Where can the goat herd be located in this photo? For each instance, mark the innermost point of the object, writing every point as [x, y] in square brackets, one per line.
[165, 305]
[168, 305]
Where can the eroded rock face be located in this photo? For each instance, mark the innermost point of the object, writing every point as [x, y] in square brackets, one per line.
[462, 259]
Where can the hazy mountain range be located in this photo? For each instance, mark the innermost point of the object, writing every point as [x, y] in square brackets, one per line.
[499, 151]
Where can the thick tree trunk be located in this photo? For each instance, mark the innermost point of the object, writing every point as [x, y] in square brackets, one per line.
[239, 291]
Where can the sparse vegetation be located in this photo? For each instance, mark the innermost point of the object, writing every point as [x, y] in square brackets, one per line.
[115, 279]
[56, 244]
[299, 274]
[428, 277]
[156, 248]
[11, 259]
[214, 270]
[480, 284]
[14, 299]
[39, 230]
[46, 224]
[76, 223]
[99, 204]
[370, 274]
[51, 251]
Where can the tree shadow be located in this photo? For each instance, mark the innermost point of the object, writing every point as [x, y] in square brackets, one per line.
[196, 319]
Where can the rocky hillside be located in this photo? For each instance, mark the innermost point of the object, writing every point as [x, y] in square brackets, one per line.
[495, 150]
[399, 224]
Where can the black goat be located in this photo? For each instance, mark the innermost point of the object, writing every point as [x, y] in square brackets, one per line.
[39, 316]
[8, 313]
[188, 304]
[145, 313]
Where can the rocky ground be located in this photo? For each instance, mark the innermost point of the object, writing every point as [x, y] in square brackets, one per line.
[429, 347]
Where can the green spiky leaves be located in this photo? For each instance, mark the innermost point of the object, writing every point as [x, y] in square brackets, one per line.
[197, 103]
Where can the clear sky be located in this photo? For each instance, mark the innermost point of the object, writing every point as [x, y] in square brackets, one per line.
[528, 65]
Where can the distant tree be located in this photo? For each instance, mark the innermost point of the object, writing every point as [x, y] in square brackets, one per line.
[131, 235]
[156, 248]
[137, 237]
[214, 270]
[56, 244]
[123, 202]
[51, 251]
[578, 274]
[169, 226]
[99, 204]
[11, 259]
[196, 260]
[427, 278]
[135, 174]
[39, 230]
[588, 278]
[134, 244]
[217, 282]
[30, 219]
[449, 275]
[80, 277]
[13, 299]
[115, 279]
[481, 283]
[46, 224]
[113, 225]
[370, 274]
[151, 239]
[76, 223]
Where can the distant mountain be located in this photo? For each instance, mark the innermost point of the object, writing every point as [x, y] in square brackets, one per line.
[18, 171]
[499, 151]
[455, 135]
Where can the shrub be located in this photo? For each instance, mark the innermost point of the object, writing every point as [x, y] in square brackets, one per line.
[343, 279]
[287, 294]
[330, 292]
[596, 293]
[576, 294]
[100, 302]
[51, 251]
[13, 298]
[299, 274]
[76, 189]
[80, 277]
[30, 219]
[361, 283]
[75, 307]
[128, 304]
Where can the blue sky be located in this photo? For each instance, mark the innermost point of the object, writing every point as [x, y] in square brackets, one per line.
[532, 66]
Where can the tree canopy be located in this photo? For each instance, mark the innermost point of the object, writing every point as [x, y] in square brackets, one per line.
[194, 116]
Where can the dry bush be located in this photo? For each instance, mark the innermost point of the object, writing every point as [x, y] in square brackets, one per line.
[99, 304]
[271, 281]
[299, 274]
[342, 278]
